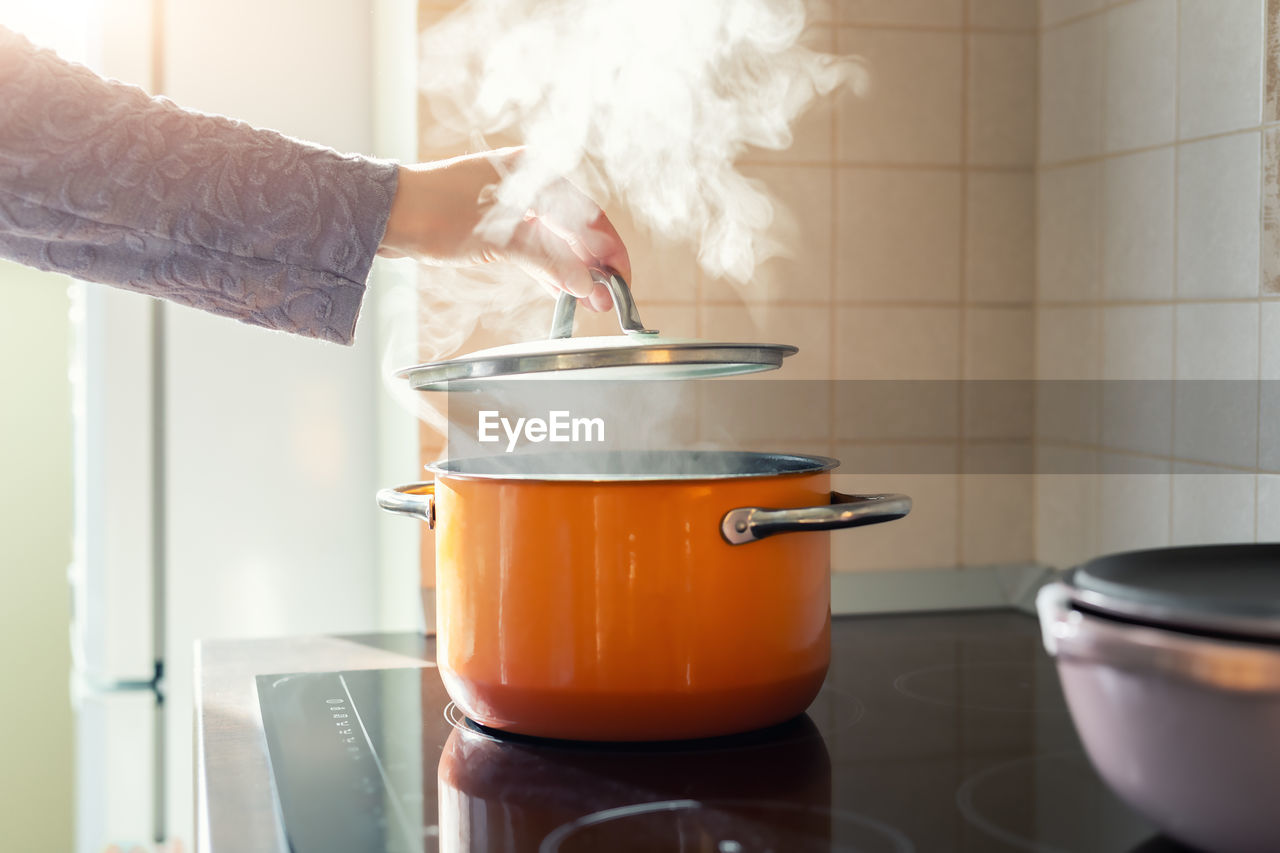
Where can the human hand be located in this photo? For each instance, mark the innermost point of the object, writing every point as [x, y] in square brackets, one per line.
[439, 207]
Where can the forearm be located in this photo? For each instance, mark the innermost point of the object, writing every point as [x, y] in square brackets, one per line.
[105, 183]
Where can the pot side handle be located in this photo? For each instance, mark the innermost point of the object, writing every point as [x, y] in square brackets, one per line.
[749, 523]
[416, 500]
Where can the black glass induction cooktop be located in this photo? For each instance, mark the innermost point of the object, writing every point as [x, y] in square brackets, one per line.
[933, 733]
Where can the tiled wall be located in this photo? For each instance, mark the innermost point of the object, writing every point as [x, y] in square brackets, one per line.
[909, 213]
[1158, 259]
[915, 261]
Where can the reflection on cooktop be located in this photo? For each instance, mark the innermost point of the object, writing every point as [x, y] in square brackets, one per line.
[933, 733]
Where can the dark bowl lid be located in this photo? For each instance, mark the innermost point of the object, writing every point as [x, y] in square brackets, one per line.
[1220, 590]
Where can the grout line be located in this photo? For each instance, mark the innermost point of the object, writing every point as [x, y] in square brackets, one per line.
[905, 27]
[1153, 303]
[1095, 520]
[886, 165]
[994, 304]
[963, 280]
[1262, 207]
[1177, 193]
[1084, 16]
[1172, 459]
[1035, 295]
[1146, 149]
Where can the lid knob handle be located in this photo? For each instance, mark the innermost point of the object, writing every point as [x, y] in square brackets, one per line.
[623, 305]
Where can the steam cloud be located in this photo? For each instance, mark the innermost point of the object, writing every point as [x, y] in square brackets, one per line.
[646, 102]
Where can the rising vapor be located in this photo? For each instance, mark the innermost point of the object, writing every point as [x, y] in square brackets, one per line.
[646, 103]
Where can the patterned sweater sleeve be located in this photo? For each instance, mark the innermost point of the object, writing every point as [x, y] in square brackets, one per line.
[102, 182]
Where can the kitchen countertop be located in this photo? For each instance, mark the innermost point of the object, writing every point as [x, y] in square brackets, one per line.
[236, 807]
[947, 731]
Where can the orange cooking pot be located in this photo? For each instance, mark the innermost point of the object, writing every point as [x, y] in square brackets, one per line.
[644, 596]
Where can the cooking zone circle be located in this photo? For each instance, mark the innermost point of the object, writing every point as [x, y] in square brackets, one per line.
[995, 800]
[1008, 686]
[726, 826]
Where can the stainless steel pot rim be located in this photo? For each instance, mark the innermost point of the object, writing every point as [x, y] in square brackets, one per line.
[1227, 591]
[637, 466]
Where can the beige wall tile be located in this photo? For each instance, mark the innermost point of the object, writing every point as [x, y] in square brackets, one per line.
[1220, 65]
[897, 343]
[1054, 11]
[912, 110]
[1004, 14]
[1071, 81]
[662, 270]
[999, 349]
[1217, 422]
[1066, 521]
[1133, 507]
[1271, 208]
[677, 321]
[996, 511]
[1067, 244]
[1217, 341]
[1136, 406]
[1000, 259]
[1269, 364]
[1268, 508]
[943, 13]
[1141, 63]
[1137, 225]
[899, 234]
[820, 10]
[1068, 345]
[1137, 361]
[1137, 342]
[1211, 505]
[1001, 118]
[812, 134]
[998, 343]
[801, 230]
[925, 539]
[807, 327]
[888, 411]
[1219, 181]
[750, 412]
[1269, 394]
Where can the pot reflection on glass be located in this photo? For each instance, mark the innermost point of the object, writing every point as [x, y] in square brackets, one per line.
[770, 789]
[643, 596]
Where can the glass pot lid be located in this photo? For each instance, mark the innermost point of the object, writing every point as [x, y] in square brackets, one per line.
[638, 353]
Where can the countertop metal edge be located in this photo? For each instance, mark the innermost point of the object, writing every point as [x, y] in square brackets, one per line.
[236, 805]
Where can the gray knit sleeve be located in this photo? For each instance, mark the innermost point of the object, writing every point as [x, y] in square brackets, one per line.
[102, 182]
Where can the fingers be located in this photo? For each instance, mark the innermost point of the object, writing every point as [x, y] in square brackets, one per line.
[549, 258]
[566, 213]
[606, 246]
